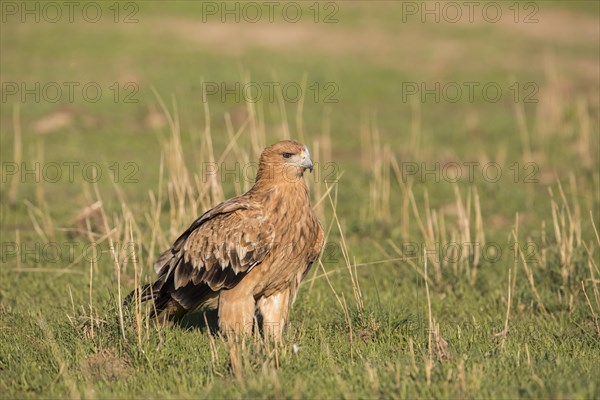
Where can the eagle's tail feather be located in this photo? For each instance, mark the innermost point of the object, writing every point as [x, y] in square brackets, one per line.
[147, 292]
[164, 304]
[169, 303]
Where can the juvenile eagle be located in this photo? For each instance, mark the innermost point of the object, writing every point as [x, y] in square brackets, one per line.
[248, 253]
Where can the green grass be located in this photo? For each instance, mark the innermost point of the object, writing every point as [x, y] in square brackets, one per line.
[60, 330]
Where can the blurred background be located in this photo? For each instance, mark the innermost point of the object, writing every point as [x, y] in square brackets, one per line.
[431, 122]
[86, 78]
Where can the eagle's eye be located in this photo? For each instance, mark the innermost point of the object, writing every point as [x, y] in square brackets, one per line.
[286, 155]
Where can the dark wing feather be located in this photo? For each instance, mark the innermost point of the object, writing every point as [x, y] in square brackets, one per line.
[218, 249]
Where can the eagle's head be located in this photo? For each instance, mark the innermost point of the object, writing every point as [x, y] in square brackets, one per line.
[287, 159]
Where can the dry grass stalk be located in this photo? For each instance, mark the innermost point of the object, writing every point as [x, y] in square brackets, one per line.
[376, 159]
[584, 145]
[504, 333]
[42, 221]
[523, 131]
[567, 232]
[594, 315]
[13, 190]
[300, 108]
[116, 263]
[405, 189]
[529, 274]
[427, 234]
[415, 145]
[345, 254]
[437, 345]
[592, 266]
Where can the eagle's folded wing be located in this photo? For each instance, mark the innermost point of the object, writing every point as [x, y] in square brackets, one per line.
[219, 248]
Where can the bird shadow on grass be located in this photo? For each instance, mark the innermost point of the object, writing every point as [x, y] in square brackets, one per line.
[208, 320]
[203, 320]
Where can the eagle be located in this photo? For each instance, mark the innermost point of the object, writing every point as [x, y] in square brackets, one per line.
[246, 256]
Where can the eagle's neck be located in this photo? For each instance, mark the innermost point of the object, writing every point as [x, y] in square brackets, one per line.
[281, 194]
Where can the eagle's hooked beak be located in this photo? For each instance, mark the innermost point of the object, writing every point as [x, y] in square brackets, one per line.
[306, 161]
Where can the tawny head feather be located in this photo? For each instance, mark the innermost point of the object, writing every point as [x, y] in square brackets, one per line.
[286, 159]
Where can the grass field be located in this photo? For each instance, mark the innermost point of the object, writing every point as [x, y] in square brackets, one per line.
[457, 179]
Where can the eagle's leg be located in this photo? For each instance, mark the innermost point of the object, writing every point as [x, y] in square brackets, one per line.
[236, 312]
[274, 311]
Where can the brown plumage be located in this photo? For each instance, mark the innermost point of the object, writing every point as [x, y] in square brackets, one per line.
[248, 253]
